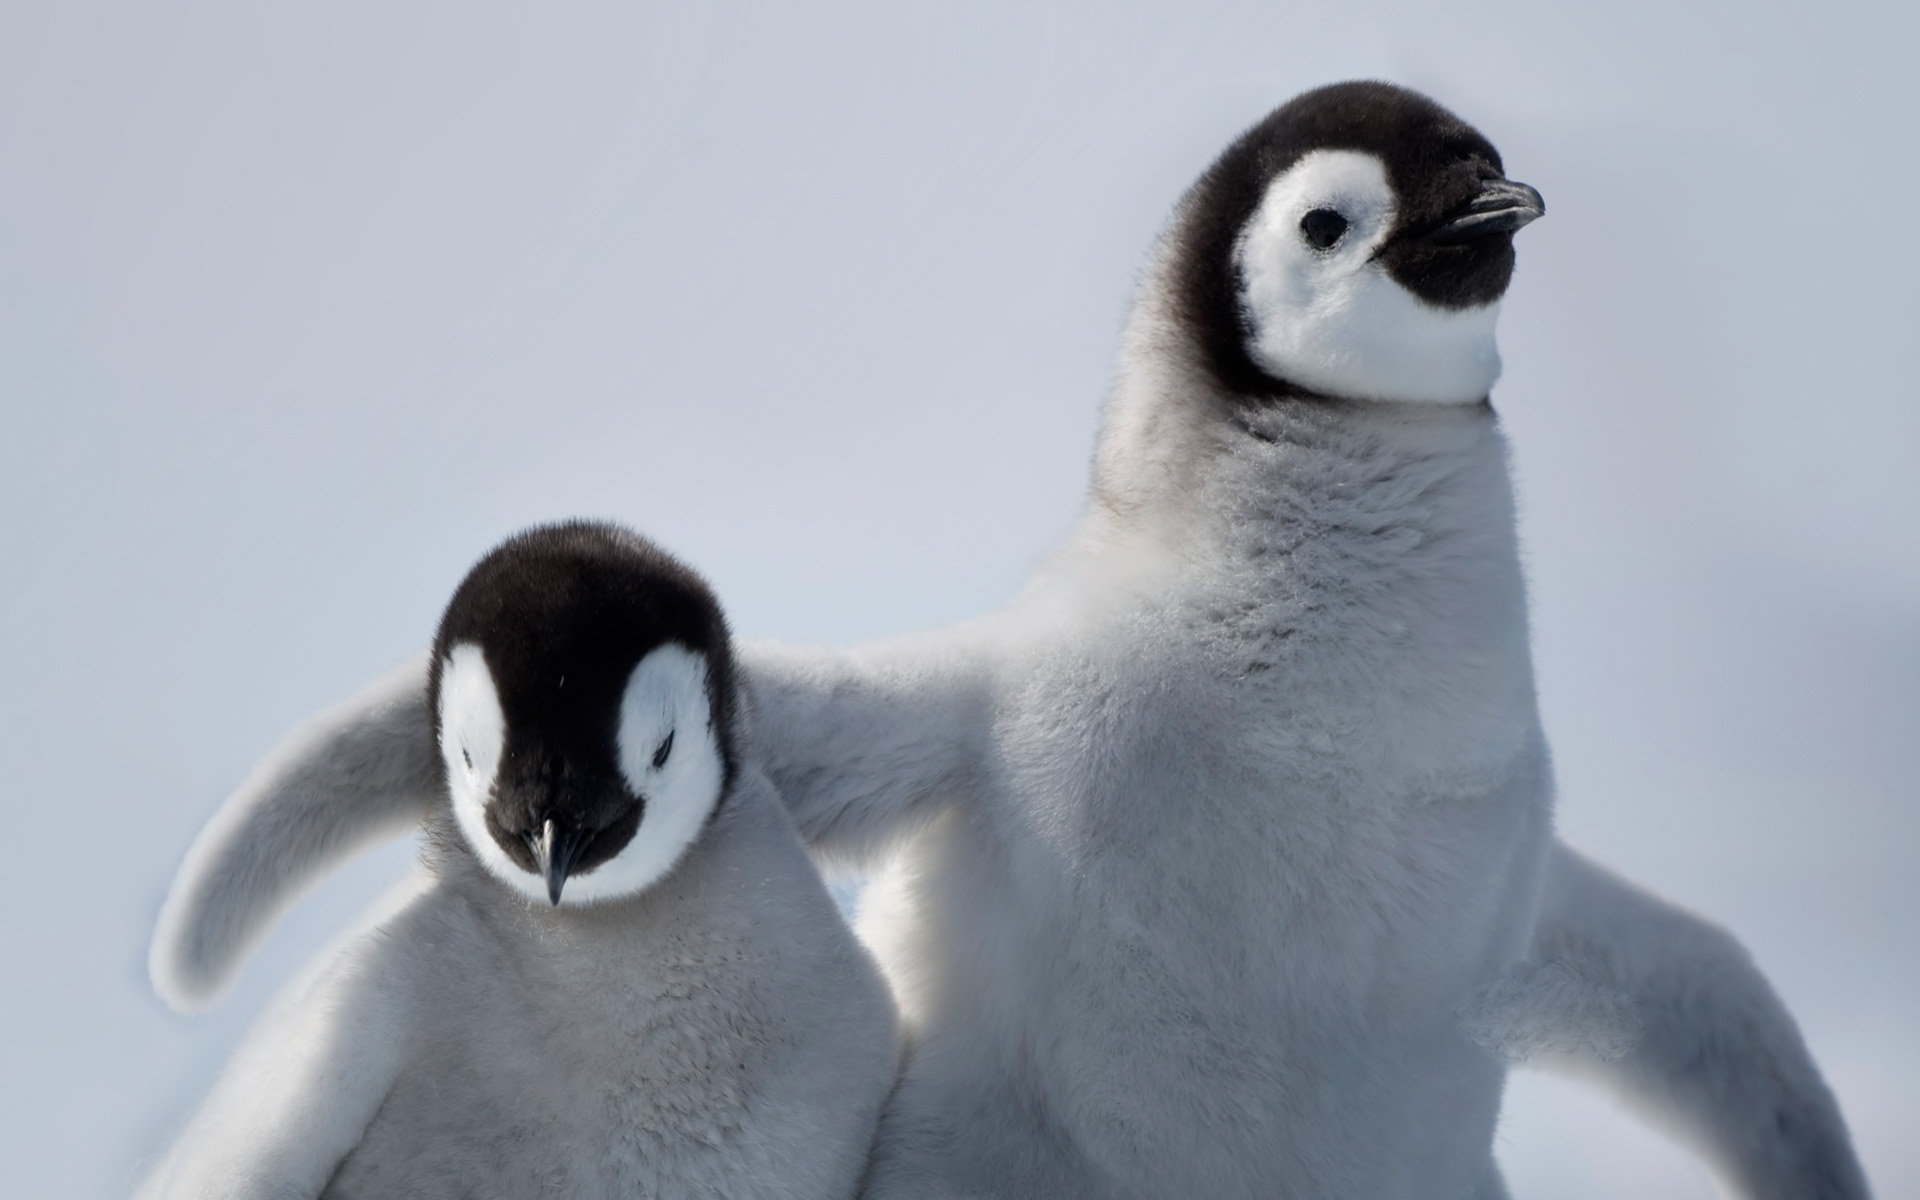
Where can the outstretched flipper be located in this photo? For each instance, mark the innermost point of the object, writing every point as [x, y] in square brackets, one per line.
[1717, 1057]
[356, 774]
[864, 744]
[857, 741]
[299, 1095]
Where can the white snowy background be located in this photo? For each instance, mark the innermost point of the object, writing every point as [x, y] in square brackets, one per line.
[304, 306]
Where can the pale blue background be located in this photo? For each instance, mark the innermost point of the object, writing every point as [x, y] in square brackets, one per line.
[302, 307]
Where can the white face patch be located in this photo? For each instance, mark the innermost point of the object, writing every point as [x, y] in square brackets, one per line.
[668, 755]
[671, 759]
[473, 734]
[1333, 319]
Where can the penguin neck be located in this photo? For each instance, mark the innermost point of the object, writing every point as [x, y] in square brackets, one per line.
[1168, 416]
[1393, 486]
[1199, 489]
[609, 925]
[1178, 450]
[1315, 545]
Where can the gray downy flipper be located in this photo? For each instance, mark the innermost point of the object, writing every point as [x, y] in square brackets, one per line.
[1675, 1017]
[354, 775]
[856, 739]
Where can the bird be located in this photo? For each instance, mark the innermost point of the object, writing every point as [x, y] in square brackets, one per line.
[1221, 861]
[617, 973]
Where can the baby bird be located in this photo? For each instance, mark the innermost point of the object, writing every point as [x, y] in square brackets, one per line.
[618, 975]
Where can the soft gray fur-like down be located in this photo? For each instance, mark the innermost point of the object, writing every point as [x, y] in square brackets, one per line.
[1547, 1008]
[1717, 1057]
[618, 974]
[1222, 860]
[287, 825]
[720, 1035]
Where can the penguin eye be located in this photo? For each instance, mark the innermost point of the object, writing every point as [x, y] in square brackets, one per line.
[1322, 228]
[666, 748]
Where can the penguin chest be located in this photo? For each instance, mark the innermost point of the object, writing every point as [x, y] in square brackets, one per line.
[679, 1063]
[1278, 798]
[1272, 895]
[583, 1092]
[1281, 850]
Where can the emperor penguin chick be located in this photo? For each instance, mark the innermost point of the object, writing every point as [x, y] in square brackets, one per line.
[620, 975]
[1222, 858]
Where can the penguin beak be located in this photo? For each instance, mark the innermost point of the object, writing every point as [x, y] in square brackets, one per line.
[555, 851]
[1501, 207]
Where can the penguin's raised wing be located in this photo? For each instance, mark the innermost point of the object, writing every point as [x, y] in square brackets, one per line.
[348, 777]
[857, 740]
[865, 743]
[1717, 1057]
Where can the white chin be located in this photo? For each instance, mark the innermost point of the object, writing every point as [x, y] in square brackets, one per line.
[655, 849]
[1382, 343]
[666, 832]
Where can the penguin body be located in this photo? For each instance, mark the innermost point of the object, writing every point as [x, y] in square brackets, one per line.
[1266, 801]
[617, 975]
[1237, 874]
[1245, 843]
[1223, 860]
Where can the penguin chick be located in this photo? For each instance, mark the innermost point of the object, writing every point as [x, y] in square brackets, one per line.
[1230, 840]
[618, 974]
[1228, 865]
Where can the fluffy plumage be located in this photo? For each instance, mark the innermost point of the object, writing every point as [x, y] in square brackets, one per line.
[360, 772]
[703, 1024]
[1225, 861]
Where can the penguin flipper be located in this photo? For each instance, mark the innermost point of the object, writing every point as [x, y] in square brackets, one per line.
[856, 740]
[1717, 1055]
[864, 744]
[303, 1088]
[351, 776]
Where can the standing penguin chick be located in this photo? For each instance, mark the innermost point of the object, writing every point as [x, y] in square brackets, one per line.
[1231, 869]
[621, 976]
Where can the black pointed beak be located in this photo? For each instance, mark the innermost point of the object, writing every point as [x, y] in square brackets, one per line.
[1502, 206]
[555, 851]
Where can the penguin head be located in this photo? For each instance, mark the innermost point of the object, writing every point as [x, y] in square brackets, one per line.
[582, 697]
[1355, 244]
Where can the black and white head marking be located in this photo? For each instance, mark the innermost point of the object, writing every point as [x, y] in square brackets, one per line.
[1354, 244]
[582, 693]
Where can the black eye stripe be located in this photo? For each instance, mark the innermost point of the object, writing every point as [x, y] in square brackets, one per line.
[666, 748]
[1323, 227]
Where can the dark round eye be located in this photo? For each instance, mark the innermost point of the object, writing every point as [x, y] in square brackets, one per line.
[1322, 228]
[666, 748]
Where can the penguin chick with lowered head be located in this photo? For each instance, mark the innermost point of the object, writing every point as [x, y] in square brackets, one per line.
[621, 976]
